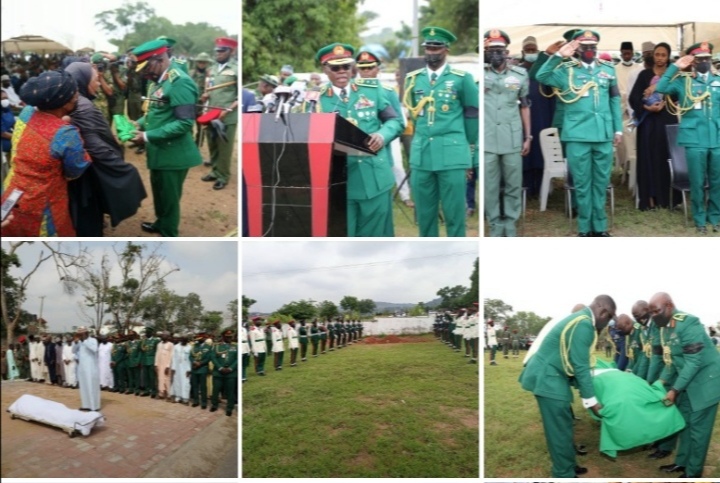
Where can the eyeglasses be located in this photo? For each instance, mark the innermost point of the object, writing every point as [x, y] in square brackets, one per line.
[366, 68]
[337, 68]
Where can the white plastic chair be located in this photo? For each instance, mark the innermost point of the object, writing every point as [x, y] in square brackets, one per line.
[553, 160]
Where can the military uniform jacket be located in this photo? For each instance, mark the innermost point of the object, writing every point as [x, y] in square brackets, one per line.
[503, 126]
[169, 122]
[224, 355]
[257, 340]
[303, 334]
[292, 336]
[323, 332]
[445, 126]
[277, 340]
[695, 366]
[224, 96]
[118, 353]
[200, 353]
[655, 366]
[594, 115]
[134, 354]
[244, 341]
[546, 374]
[369, 106]
[699, 126]
[314, 333]
[148, 349]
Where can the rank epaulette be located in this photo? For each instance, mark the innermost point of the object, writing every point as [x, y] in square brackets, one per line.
[367, 82]
[605, 62]
[569, 63]
[679, 317]
[326, 88]
[414, 73]
[173, 75]
[519, 70]
[387, 86]
[458, 72]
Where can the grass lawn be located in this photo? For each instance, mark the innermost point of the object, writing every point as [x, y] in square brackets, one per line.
[515, 442]
[628, 221]
[365, 411]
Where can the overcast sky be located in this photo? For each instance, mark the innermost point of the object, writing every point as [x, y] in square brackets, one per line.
[390, 14]
[275, 273]
[73, 21]
[550, 275]
[206, 268]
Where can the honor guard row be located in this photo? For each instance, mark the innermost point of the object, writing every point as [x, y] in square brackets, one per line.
[453, 329]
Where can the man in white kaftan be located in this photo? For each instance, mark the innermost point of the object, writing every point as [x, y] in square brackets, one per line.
[180, 369]
[70, 363]
[104, 357]
[87, 371]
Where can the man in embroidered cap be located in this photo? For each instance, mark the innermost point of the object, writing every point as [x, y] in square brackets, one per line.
[224, 359]
[592, 124]
[285, 72]
[507, 134]
[166, 131]
[443, 103]
[698, 104]
[221, 90]
[368, 105]
[368, 65]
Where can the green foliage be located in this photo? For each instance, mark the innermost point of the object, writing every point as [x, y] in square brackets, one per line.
[453, 298]
[232, 307]
[247, 302]
[418, 310]
[527, 323]
[496, 310]
[327, 310]
[366, 306]
[211, 321]
[458, 16]
[277, 32]
[14, 295]
[299, 310]
[349, 303]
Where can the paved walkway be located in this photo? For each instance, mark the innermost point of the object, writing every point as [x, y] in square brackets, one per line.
[138, 435]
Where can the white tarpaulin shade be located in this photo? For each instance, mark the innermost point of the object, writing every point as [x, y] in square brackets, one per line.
[615, 20]
[33, 43]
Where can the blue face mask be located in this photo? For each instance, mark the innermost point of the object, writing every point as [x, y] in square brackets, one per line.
[531, 57]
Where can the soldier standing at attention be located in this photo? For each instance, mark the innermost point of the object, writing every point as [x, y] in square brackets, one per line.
[278, 345]
[118, 363]
[515, 338]
[292, 336]
[222, 91]
[134, 363]
[148, 349]
[506, 86]
[443, 104]
[257, 342]
[314, 337]
[303, 336]
[166, 131]
[592, 124]
[368, 105]
[199, 360]
[699, 107]
[224, 359]
[245, 351]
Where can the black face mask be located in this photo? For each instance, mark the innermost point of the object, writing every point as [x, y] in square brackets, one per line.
[702, 67]
[661, 320]
[6, 85]
[496, 58]
[201, 69]
[433, 59]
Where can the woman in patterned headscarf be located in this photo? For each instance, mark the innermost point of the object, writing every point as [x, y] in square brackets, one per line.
[47, 151]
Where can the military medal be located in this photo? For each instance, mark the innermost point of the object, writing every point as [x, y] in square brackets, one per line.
[445, 108]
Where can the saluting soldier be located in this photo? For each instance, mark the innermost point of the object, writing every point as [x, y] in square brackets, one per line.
[693, 363]
[103, 96]
[221, 90]
[199, 365]
[303, 337]
[224, 359]
[443, 104]
[166, 131]
[506, 86]
[592, 124]
[257, 342]
[367, 104]
[698, 105]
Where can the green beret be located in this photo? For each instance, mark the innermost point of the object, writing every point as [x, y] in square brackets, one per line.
[97, 58]
[569, 35]
[497, 38]
[336, 54]
[586, 36]
[437, 36]
[203, 57]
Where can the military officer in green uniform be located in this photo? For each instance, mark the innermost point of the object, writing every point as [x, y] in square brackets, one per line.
[222, 91]
[592, 124]
[691, 371]
[103, 96]
[118, 75]
[505, 144]
[118, 363]
[564, 356]
[367, 104]
[166, 131]
[640, 339]
[303, 338]
[199, 360]
[148, 348]
[314, 337]
[443, 104]
[698, 104]
[134, 362]
[224, 357]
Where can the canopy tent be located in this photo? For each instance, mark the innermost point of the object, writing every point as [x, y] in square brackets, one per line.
[33, 43]
[615, 20]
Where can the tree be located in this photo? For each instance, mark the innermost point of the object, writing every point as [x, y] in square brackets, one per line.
[211, 321]
[232, 308]
[159, 309]
[349, 303]
[497, 310]
[124, 19]
[366, 306]
[299, 310]
[418, 310]
[453, 298]
[458, 16]
[528, 323]
[327, 310]
[270, 26]
[247, 302]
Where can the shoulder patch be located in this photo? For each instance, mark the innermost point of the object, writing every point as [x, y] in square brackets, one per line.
[605, 62]
[679, 317]
[569, 63]
[173, 74]
[458, 72]
[519, 70]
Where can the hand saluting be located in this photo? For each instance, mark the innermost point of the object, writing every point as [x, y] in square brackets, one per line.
[569, 49]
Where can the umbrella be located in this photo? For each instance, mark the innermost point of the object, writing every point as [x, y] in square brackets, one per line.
[32, 43]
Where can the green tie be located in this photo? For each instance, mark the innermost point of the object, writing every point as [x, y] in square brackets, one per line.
[433, 77]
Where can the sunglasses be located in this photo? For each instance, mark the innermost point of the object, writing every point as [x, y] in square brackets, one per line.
[338, 68]
[366, 68]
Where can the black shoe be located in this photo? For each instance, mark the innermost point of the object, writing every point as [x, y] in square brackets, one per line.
[716, 228]
[203, 407]
[219, 185]
[659, 454]
[195, 405]
[579, 470]
[153, 396]
[149, 227]
[672, 468]
[602, 234]
[701, 229]
[212, 410]
[209, 177]
[580, 448]
[140, 150]
[207, 163]
[584, 234]
[228, 413]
